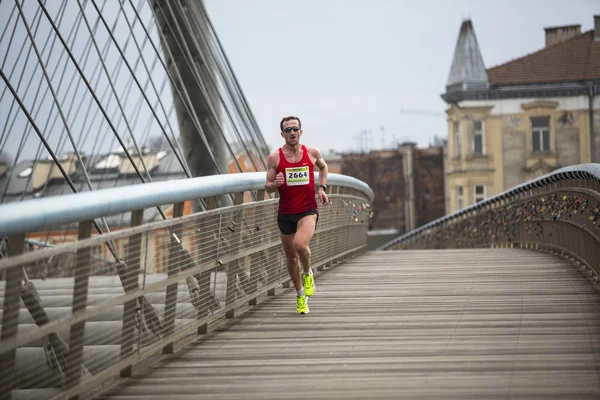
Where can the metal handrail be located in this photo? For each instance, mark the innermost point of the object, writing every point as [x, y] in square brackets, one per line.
[46, 213]
[580, 171]
[171, 279]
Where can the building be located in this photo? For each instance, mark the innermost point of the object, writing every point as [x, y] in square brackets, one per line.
[41, 178]
[408, 184]
[334, 162]
[522, 119]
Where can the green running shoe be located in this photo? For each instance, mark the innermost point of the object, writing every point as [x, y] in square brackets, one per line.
[301, 306]
[308, 281]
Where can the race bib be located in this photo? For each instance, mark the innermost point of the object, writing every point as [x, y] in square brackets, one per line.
[296, 176]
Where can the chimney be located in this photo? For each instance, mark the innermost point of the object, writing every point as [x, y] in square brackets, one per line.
[559, 34]
[597, 27]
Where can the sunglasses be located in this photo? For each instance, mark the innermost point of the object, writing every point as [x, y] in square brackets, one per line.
[288, 130]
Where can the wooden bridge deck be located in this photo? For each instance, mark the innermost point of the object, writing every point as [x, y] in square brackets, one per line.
[486, 324]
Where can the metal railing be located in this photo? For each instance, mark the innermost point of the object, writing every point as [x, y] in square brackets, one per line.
[72, 321]
[558, 212]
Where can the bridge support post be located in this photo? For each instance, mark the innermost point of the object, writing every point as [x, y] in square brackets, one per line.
[203, 278]
[130, 283]
[234, 266]
[10, 316]
[171, 294]
[80, 294]
[259, 260]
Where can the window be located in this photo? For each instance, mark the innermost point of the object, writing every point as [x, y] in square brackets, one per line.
[540, 134]
[460, 199]
[478, 144]
[479, 193]
[457, 141]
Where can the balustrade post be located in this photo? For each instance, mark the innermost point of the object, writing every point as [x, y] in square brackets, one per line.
[130, 283]
[80, 293]
[175, 250]
[233, 268]
[204, 277]
[10, 316]
[255, 267]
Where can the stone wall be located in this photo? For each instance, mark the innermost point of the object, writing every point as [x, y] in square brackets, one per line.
[597, 135]
[567, 146]
[383, 172]
[514, 152]
[429, 185]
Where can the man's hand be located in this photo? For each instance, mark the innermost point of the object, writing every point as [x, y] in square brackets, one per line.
[323, 196]
[279, 179]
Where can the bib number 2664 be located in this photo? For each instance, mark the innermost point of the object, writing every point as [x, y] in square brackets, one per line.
[297, 176]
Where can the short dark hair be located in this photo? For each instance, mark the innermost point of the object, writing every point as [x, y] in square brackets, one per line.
[291, 117]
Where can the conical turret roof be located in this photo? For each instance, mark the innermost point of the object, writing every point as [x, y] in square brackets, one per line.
[468, 70]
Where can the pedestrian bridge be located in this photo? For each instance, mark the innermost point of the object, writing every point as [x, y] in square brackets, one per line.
[499, 300]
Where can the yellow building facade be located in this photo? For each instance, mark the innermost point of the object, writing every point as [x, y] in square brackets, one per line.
[518, 121]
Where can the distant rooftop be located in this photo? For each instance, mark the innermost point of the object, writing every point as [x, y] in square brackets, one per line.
[575, 59]
[569, 56]
[20, 183]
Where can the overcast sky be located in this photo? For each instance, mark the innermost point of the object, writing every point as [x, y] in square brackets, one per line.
[345, 66]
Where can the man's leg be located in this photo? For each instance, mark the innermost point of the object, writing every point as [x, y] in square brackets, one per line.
[306, 229]
[292, 260]
[293, 264]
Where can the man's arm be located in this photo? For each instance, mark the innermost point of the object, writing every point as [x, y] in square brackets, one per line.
[322, 165]
[272, 181]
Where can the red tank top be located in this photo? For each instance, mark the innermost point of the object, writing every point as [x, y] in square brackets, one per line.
[297, 194]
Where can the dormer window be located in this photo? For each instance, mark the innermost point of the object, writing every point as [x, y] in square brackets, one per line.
[25, 173]
[112, 161]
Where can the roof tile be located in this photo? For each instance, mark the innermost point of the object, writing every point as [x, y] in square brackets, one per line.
[576, 59]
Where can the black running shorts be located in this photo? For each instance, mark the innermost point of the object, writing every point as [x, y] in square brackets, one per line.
[288, 223]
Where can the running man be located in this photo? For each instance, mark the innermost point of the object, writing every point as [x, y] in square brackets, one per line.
[290, 170]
